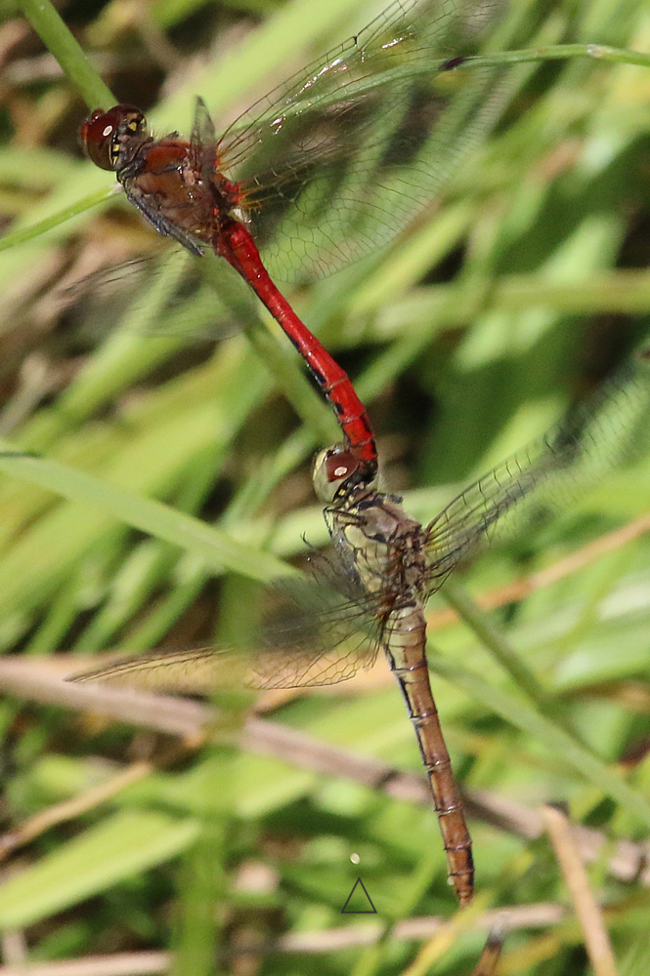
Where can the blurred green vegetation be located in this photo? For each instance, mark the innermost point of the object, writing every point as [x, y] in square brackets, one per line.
[521, 288]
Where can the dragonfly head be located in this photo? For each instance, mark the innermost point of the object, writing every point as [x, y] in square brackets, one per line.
[105, 134]
[339, 469]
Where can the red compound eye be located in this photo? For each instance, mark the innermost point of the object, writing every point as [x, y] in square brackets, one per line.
[104, 133]
[339, 469]
[339, 465]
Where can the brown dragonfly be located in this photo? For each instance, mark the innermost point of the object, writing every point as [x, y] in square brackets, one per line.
[373, 592]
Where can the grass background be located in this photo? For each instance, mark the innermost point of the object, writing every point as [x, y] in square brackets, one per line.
[514, 296]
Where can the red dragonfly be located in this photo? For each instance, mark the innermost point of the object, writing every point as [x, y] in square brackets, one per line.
[332, 164]
[387, 565]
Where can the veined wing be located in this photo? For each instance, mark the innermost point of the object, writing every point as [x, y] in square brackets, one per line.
[311, 637]
[342, 155]
[542, 480]
[150, 295]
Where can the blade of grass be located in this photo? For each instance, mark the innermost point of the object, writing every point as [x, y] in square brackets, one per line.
[190, 534]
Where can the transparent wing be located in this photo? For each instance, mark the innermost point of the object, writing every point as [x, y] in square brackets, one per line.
[143, 295]
[542, 480]
[203, 141]
[311, 637]
[341, 156]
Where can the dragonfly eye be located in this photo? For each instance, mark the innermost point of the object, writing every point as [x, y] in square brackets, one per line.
[338, 468]
[104, 134]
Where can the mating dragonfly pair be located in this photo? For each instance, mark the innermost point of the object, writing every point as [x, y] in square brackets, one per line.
[372, 130]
